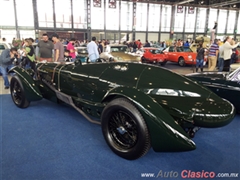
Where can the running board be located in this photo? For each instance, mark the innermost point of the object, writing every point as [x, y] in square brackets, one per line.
[68, 100]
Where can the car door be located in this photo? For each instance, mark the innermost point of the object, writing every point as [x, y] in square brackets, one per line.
[172, 54]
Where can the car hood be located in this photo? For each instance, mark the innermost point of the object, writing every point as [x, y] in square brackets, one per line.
[124, 56]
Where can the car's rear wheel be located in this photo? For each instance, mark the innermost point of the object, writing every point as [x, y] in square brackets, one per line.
[181, 62]
[18, 93]
[124, 129]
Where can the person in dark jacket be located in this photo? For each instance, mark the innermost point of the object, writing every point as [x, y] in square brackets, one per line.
[7, 58]
[134, 47]
[200, 57]
[147, 44]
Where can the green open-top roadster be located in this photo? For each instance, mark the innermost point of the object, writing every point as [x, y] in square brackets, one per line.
[138, 105]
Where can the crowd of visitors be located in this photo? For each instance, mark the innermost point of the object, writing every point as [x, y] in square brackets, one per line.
[220, 54]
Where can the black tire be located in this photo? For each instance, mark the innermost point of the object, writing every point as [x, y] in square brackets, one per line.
[111, 59]
[181, 62]
[88, 60]
[100, 60]
[18, 93]
[163, 63]
[143, 59]
[125, 130]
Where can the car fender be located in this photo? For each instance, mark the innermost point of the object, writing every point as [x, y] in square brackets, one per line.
[165, 133]
[32, 91]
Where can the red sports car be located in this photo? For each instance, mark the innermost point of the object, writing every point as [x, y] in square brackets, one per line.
[180, 55]
[154, 56]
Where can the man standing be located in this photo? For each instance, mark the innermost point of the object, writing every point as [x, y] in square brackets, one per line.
[227, 52]
[6, 63]
[92, 48]
[213, 55]
[44, 49]
[58, 49]
[71, 48]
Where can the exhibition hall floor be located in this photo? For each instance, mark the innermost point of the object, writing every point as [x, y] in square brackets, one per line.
[47, 141]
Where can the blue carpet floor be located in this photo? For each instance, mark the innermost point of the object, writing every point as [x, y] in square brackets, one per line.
[48, 141]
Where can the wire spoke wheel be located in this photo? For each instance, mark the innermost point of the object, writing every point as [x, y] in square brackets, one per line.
[124, 129]
[18, 93]
[181, 62]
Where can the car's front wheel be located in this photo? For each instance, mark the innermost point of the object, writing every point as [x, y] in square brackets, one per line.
[101, 60]
[143, 59]
[17, 93]
[163, 63]
[124, 129]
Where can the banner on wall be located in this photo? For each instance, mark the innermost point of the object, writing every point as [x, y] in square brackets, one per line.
[112, 4]
[97, 3]
[191, 10]
[179, 9]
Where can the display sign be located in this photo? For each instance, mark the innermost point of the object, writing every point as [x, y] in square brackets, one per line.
[191, 10]
[179, 9]
[112, 4]
[97, 3]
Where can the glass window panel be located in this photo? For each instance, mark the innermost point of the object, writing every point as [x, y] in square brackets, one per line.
[126, 16]
[166, 17]
[80, 16]
[152, 37]
[238, 24]
[24, 13]
[238, 38]
[164, 37]
[63, 14]
[112, 17]
[141, 36]
[231, 22]
[112, 37]
[141, 18]
[222, 20]
[201, 20]
[8, 34]
[9, 11]
[179, 20]
[153, 17]
[97, 18]
[45, 13]
[190, 20]
[27, 34]
[98, 35]
[212, 18]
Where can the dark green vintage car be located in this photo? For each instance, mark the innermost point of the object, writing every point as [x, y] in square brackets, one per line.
[224, 84]
[138, 106]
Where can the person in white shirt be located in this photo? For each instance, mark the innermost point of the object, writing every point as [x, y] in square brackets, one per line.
[227, 52]
[92, 49]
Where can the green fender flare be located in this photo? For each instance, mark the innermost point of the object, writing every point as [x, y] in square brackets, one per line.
[165, 133]
[32, 91]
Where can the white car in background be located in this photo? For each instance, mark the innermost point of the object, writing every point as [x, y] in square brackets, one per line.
[4, 45]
